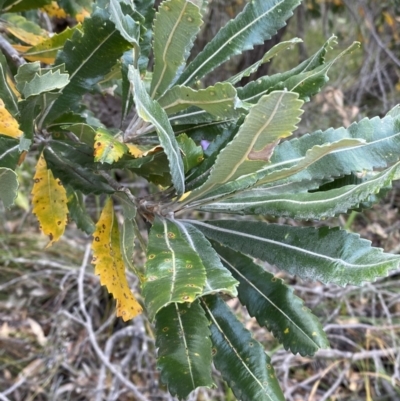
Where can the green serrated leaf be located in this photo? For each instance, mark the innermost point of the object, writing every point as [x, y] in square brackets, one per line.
[9, 152]
[273, 118]
[45, 83]
[150, 111]
[88, 56]
[379, 145]
[315, 205]
[6, 93]
[8, 186]
[192, 154]
[126, 25]
[239, 357]
[218, 278]
[173, 272]
[176, 25]
[26, 72]
[323, 254]
[309, 83]
[184, 348]
[274, 305]
[284, 176]
[219, 100]
[264, 85]
[259, 21]
[265, 59]
[78, 213]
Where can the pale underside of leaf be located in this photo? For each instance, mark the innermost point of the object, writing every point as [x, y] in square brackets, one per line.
[315, 205]
[219, 100]
[273, 118]
[150, 111]
[279, 174]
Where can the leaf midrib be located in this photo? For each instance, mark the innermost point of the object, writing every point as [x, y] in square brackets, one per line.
[308, 202]
[231, 39]
[250, 283]
[288, 246]
[164, 55]
[234, 349]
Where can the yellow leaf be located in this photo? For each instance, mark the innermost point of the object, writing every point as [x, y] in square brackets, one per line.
[107, 149]
[49, 202]
[109, 264]
[134, 150]
[25, 36]
[389, 19]
[54, 10]
[82, 15]
[137, 151]
[8, 124]
[21, 48]
[184, 196]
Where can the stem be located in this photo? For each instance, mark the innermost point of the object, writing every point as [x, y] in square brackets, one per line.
[350, 220]
[12, 54]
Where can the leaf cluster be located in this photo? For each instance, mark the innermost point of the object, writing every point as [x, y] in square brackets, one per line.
[224, 148]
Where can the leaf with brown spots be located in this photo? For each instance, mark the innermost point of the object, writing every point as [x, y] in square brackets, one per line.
[49, 202]
[8, 124]
[73, 9]
[107, 149]
[109, 264]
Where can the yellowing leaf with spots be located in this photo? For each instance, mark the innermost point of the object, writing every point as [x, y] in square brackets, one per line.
[174, 271]
[54, 10]
[107, 258]
[46, 51]
[49, 202]
[8, 124]
[107, 149]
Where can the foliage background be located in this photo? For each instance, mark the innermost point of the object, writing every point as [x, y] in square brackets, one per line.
[59, 339]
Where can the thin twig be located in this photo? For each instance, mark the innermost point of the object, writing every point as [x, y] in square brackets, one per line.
[10, 52]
